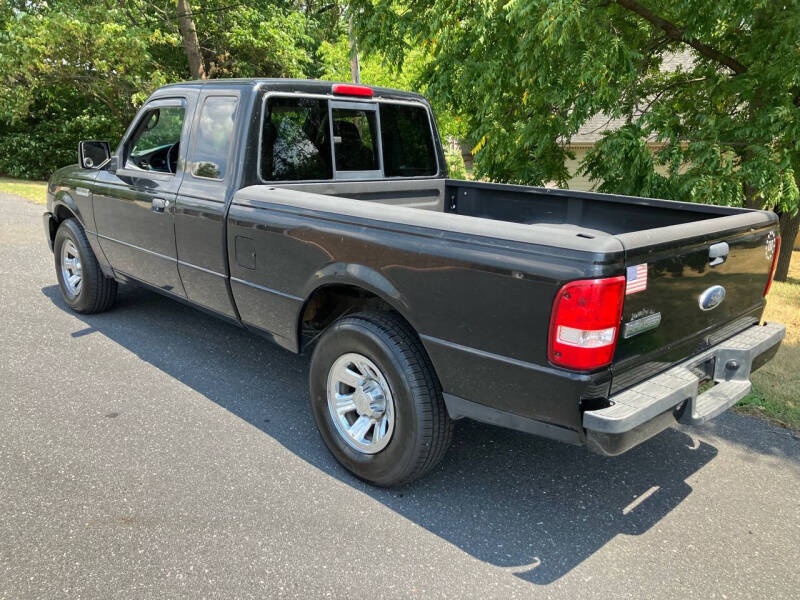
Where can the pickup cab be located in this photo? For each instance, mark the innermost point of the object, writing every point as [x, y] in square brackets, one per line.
[321, 216]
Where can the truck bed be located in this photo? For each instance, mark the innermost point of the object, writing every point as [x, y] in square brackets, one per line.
[604, 233]
[600, 213]
[593, 213]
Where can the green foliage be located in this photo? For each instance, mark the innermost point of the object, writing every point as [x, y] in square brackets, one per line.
[256, 39]
[456, 169]
[72, 70]
[334, 56]
[515, 78]
[526, 74]
[624, 165]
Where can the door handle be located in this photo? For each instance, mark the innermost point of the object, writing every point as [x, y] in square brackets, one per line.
[718, 253]
[159, 204]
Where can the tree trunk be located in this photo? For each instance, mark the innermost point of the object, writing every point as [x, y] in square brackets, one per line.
[751, 199]
[789, 227]
[355, 68]
[190, 44]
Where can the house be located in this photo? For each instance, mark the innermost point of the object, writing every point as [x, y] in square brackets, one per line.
[592, 131]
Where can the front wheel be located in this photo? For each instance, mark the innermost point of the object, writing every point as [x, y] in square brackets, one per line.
[83, 286]
[376, 399]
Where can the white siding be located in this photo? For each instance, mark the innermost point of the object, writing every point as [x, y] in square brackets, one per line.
[578, 182]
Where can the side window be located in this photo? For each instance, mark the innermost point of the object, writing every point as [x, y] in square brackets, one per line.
[355, 140]
[296, 140]
[155, 143]
[214, 135]
[407, 141]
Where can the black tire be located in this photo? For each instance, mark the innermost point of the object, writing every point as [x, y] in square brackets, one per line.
[422, 427]
[97, 292]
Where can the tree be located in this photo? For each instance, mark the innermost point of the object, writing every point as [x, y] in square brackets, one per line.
[69, 71]
[78, 69]
[374, 69]
[190, 44]
[526, 74]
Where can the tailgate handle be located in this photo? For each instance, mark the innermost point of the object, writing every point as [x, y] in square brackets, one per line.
[718, 253]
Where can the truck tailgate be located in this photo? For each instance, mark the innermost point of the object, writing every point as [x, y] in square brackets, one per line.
[685, 294]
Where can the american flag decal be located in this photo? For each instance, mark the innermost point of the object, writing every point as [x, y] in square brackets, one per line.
[636, 279]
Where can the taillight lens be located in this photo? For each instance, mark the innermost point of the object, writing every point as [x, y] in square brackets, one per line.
[774, 265]
[585, 322]
[346, 89]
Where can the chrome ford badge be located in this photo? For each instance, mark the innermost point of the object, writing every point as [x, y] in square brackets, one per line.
[712, 297]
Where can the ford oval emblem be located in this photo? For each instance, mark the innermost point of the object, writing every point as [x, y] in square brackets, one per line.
[712, 297]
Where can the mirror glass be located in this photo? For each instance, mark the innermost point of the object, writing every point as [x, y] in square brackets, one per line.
[93, 154]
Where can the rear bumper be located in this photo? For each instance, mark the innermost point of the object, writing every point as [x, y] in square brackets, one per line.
[647, 408]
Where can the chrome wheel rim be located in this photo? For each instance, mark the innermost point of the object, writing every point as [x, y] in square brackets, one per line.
[360, 403]
[71, 272]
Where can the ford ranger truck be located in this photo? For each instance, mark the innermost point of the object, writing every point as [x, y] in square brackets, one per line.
[320, 216]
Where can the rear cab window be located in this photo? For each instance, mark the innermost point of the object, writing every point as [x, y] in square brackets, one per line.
[295, 140]
[355, 139]
[305, 138]
[407, 141]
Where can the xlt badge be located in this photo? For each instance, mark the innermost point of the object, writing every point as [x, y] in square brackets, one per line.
[641, 325]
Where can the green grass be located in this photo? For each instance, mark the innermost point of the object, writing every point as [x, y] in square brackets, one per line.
[32, 190]
[776, 385]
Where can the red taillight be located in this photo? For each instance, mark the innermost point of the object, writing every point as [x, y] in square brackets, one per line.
[774, 265]
[585, 322]
[345, 89]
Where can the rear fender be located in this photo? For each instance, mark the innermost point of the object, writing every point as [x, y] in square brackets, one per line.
[354, 276]
[359, 276]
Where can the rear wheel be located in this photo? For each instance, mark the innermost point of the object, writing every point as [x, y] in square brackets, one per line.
[83, 286]
[376, 399]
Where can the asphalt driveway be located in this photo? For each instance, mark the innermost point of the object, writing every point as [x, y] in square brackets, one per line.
[156, 452]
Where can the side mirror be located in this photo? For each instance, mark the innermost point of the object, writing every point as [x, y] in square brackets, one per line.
[93, 154]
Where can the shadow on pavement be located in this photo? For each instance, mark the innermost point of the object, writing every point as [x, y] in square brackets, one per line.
[535, 507]
[755, 436]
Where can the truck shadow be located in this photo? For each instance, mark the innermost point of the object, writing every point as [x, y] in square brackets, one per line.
[531, 506]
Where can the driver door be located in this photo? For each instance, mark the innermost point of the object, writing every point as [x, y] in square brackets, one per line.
[134, 205]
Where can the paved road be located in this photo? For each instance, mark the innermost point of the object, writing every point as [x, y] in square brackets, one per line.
[155, 452]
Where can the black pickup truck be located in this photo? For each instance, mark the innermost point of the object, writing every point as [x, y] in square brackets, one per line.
[320, 215]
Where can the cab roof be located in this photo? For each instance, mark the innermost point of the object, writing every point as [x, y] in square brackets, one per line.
[309, 86]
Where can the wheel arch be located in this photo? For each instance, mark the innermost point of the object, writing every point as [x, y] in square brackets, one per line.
[341, 289]
[64, 207]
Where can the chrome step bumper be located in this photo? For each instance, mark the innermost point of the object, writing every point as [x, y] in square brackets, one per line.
[675, 391]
